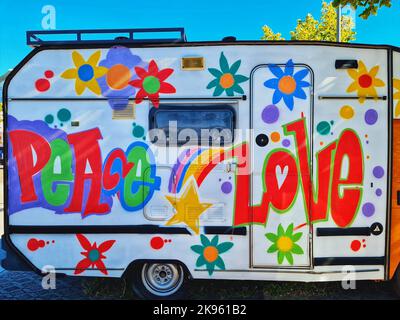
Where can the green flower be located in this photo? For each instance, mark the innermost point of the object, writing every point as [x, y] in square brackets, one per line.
[226, 79]
[209, 252]
[285, 243]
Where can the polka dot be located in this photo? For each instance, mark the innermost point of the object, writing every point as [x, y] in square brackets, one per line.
[346, 112]
[262, 140]
[42, 85]
[275, 136]
[157, 243]
[49, 74]
[270, 114]
[138, 131]
[321, 143]
[49, 119]
[378, 172]
[368, 209]
[378, 192]
[118, 76]
[86, 72]
[355, 245]
[226, 187]
[323, 128]
[286, 143]
[64, 115]
[371, 116]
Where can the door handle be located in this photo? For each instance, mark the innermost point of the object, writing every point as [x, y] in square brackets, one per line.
[230, 166]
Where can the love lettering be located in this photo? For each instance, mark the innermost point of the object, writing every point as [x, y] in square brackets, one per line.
[338, 195]
[80, 181]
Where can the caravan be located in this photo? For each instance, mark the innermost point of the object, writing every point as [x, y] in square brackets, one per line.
[163, 160]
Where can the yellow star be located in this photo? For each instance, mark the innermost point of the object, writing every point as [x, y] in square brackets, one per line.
[188, 207]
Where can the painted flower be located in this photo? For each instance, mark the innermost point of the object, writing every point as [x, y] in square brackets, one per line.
[396, 97]
[85, 73]
[365, 81]
[114, 85]
[284, 242]
[210, 252]
[226, 78]
[93, 255]
[152, 83]
[287, 84]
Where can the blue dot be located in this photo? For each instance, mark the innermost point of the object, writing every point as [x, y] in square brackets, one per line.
[86, 72]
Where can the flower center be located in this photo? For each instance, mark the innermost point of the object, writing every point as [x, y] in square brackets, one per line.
[227, 81]
[287, 85]
[151, 84]
[210, 253]
[118, 76]
[365, 81]
[86, 72]
[94, 255]
[284, 244]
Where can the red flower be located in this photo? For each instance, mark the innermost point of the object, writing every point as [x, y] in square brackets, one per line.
[93, 254]
[151, 83]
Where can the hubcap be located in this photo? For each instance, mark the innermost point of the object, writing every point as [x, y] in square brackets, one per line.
[162, 279]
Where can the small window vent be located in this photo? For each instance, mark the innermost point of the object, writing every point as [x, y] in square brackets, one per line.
[126, 113]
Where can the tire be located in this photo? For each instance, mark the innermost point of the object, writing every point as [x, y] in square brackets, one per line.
[396, 282]
[158, 280]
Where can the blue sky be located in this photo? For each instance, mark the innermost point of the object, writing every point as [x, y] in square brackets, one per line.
[203, 19]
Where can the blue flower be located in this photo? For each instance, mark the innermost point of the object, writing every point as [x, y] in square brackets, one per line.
[287, 84]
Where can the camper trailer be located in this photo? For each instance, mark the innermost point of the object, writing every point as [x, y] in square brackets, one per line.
[162, 160]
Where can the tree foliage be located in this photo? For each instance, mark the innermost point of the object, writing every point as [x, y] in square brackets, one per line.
[317, 30]
[370, 6]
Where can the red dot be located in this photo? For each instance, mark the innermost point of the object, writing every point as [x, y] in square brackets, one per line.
[49, 74]
[365, 81]
[42, 85]
[53, 241]
[33, 244]
[355, 245]
[41, 243]
[157, 243]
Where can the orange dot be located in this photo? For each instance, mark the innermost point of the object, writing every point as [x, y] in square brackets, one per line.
[287, 85]
[227, 80]
[367, 157]
[366, 136]
[321, 143]
[210, 253]
[118, 76]
[275, 136]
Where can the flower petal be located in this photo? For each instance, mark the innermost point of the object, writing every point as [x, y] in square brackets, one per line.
[79, 86]
[164, 74]
[218, 91]
[289, 230]
[281, 231]
[200, 261]
[378, 83]
[299, 93]
[82, 266]
[289, 101]
[275, 70]
[85, 243]
[213, 83]
[204, 240]
[296, 249]
[277, 97]
[300, 75]
[140, 72]
[93, 86]
[240, 78]
[167, 88]
[101, 266]
[138, 83]
[289, 257]
[215, 72]
[272, 83]
[374, 71]
[153, 68]
[105, 246]
[214, 241]
[271, 237]
[238, 89]
[297, 236]
[77, 59]
[70, 74]
[352, 87]
[94, 58]
[197, 248]
[235, 67]
[281, 256]
[100, 71]
[220, 263]
[273, 248]
[289, 68]
[353, 73]
[223, 63]
[224, 247]
[229, 92]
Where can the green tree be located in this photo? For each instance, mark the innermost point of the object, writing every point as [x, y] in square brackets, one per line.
[317, 30]
[370, 6]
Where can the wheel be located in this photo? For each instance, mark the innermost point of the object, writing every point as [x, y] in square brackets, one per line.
[158, 280]
[396, 282]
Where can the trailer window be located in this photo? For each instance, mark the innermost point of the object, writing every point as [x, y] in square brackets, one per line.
[192, 125]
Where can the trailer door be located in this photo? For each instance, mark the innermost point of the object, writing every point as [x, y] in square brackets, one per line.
[281, 94]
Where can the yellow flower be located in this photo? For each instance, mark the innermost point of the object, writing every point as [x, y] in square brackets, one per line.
[85, 73]
[396, 96]
[364, 81]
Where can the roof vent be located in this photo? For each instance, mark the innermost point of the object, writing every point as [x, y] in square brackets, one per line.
[229, 39]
